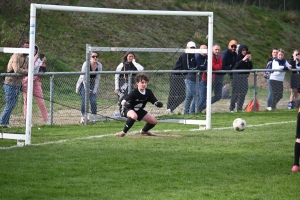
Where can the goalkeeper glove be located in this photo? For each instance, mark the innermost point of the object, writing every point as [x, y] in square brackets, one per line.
[158, 104]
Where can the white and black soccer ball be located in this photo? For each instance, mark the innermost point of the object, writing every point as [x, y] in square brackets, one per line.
[239, 124]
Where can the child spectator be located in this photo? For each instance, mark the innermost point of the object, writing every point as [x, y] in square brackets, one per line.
[226, 91]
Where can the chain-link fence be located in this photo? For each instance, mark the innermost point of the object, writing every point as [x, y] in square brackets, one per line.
[63, 104]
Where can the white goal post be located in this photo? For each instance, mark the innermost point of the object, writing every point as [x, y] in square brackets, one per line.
[32, 35]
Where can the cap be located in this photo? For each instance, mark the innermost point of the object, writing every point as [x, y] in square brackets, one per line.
[191, 44]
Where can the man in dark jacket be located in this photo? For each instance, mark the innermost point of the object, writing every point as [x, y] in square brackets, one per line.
[192, 86]
[177, 85]
[228, 62]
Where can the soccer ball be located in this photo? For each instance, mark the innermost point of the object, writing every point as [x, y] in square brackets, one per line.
[239, 124]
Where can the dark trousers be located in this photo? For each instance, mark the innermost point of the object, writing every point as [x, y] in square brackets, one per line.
[239, 91]
[217, 87]
[277, 92]
[177, 91]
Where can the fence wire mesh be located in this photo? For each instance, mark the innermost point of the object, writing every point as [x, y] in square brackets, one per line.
[63, 103]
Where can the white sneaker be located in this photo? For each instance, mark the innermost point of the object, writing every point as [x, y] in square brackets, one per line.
[169, 112]
[93, 118]
[5, 126]
[81, 120]
[269, 108]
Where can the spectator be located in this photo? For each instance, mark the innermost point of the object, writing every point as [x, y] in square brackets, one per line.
[190, 82]
[277, 77]
[134, 104]
[121, 80]
[295, 80]
[95, 66]
[177, 84]
[228, 62]
[216, 65]
[18, 63]
[37, 86]
[273, 55]
[226, 91]
[240, 79]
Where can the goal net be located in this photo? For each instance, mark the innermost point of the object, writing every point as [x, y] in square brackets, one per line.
[63, 32]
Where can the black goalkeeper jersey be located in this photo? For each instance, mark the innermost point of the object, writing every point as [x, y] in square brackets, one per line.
[138, 101]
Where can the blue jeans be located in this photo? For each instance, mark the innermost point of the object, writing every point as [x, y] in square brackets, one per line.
[93, 99]
[202, 102]
[269, 99]
[190, 96]
[11, 96]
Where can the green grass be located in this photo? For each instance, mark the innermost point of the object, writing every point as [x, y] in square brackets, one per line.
[89, 162]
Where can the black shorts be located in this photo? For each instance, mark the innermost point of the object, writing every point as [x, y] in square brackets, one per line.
[298, 126]
[295, 80]
[140, 113]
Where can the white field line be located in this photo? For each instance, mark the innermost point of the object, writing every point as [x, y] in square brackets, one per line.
[135, 132]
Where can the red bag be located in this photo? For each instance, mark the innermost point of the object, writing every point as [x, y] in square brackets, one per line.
[250, 106]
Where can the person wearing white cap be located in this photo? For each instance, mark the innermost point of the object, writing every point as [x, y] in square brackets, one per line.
[177, 80]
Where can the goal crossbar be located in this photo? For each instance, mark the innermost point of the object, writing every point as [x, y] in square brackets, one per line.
[14, 50]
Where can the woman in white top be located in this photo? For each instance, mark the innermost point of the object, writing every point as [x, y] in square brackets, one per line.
[295, 80]
[94, 84]
[121, 80]
[277, 77]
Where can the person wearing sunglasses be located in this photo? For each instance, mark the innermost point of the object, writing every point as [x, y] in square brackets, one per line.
[95, 66]
[228, 62]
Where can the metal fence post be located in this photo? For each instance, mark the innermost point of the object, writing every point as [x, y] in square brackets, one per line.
[87, 83]
[129, 83]
[255, 89]
[51, 98]
[197, 92]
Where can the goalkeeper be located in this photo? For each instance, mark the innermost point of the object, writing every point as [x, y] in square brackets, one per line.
[133, 106]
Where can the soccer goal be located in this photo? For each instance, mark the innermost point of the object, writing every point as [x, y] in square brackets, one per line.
[67, 49]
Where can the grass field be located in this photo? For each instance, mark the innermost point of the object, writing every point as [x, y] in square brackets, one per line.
[182, 162]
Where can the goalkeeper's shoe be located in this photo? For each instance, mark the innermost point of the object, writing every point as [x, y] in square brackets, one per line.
[120, 134]
[148, 133]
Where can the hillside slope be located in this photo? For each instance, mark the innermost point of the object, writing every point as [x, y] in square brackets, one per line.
[63, 35]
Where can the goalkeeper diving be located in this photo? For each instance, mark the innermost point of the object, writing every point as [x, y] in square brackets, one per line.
[133, 107]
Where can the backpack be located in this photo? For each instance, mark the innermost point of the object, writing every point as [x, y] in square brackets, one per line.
[250, 106]
[268, 73]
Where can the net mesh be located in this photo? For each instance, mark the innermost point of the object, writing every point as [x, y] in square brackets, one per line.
[62, 36]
